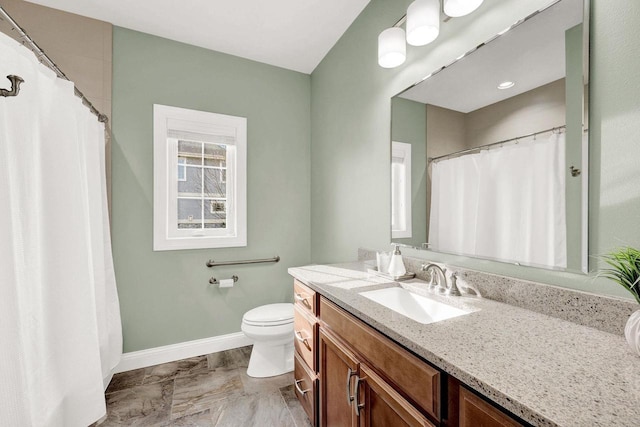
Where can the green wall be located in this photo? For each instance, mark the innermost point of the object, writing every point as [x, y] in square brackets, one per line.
[350, 112]
[165, 297]
[409, 120]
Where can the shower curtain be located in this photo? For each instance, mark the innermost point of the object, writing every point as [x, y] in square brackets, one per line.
[504, 203]
[60, 330]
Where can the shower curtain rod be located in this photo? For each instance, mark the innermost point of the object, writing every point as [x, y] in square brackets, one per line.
[45, 60]
[483, 147]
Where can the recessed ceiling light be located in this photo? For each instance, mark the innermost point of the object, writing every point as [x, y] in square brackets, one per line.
[506, 85]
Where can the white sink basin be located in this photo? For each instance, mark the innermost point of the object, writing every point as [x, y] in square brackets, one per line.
[419, 308]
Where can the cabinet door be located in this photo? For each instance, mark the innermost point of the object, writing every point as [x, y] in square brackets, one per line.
[379, 405]
[475, 412]
[338, 372]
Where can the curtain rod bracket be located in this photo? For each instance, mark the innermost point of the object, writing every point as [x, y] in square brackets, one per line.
[15, 86]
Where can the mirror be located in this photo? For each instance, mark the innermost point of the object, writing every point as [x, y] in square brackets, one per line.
[489, 154]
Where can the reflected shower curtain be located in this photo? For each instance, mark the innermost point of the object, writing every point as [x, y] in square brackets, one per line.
[60, 330]
[505, 203]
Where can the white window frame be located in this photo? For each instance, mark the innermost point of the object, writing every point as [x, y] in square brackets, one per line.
[401, 191]
[166, 235]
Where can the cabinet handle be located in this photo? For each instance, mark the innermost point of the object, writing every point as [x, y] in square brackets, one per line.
[350, 374]
[303, 300]
[302, 339]
[357, 397]
[300, 390]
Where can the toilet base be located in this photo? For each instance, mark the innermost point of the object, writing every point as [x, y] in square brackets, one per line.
[270, 360]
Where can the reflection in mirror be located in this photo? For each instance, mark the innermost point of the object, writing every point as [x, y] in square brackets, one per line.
[489, 154]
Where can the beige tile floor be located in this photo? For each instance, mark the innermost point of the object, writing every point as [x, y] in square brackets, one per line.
[212, 390]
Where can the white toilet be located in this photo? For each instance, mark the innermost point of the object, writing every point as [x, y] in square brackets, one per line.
[271, 328]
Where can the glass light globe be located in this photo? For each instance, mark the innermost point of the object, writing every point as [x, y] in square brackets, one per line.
[392, 50]
[423, 22]
[457, 8]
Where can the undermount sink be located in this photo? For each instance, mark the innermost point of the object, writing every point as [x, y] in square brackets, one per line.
[421, 309]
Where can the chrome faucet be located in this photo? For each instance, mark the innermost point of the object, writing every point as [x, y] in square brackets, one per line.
[442, 286]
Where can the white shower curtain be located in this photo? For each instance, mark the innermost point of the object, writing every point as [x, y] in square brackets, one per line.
[505, 203]
[60, 330]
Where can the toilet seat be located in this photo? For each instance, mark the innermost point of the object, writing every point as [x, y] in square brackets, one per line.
[269, 315]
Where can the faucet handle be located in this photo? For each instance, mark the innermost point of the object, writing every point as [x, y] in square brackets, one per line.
[453, 289]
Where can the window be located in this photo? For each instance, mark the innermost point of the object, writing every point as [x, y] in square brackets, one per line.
[199, 179]
[400, 190]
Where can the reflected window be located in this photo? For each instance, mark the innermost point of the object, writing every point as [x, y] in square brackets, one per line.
[400, 190]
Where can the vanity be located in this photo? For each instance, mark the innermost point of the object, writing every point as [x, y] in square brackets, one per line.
[359, 362]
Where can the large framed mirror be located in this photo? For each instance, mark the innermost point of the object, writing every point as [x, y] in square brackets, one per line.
[489, 154]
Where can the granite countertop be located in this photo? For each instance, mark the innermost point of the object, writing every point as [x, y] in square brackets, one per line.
[548, 371]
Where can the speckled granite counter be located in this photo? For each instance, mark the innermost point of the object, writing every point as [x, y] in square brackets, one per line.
[548, 371]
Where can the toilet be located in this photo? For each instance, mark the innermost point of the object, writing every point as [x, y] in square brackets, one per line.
[270, 327]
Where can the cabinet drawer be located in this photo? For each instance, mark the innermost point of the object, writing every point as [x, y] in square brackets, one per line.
[383, 406]
[414, 379]
[306, 388]
[305, 297]
[474, 411]
[305, 337]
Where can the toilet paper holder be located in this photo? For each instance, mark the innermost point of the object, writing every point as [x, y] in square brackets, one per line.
[215, 281]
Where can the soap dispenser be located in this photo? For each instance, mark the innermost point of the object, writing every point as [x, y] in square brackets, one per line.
[396, 266]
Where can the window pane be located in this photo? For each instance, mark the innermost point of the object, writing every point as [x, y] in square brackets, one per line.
[215, 215]
[215, 155]
[191, 151]
[182, 169]
[213, 184]
[189, 214]
[192, 185]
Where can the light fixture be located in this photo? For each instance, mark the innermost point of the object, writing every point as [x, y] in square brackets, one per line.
[423, 27]
[392, 50]
[457, 8]
[423, 22]
[506, 85]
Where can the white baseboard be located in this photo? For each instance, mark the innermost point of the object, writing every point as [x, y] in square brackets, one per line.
[173, 352]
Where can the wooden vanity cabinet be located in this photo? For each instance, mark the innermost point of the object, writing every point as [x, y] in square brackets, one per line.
[382, 405]
[349, 375]
[305, 326]
[352, 394]
[475, 412]
[467, 409]
[338, 367]
[306, 387]
[367, 379]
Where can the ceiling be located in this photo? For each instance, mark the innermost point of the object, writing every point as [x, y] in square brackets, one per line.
[531, 55]
[292, 34]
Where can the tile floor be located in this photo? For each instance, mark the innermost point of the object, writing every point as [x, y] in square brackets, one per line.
[212, 390]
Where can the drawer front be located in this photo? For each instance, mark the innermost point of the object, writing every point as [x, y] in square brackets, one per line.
[305, 330]
[414, 378]
[305, 297]
[474, 411]
[306, 388]
[383, 406]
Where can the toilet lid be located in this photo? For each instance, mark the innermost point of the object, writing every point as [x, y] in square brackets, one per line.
[270, 315]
